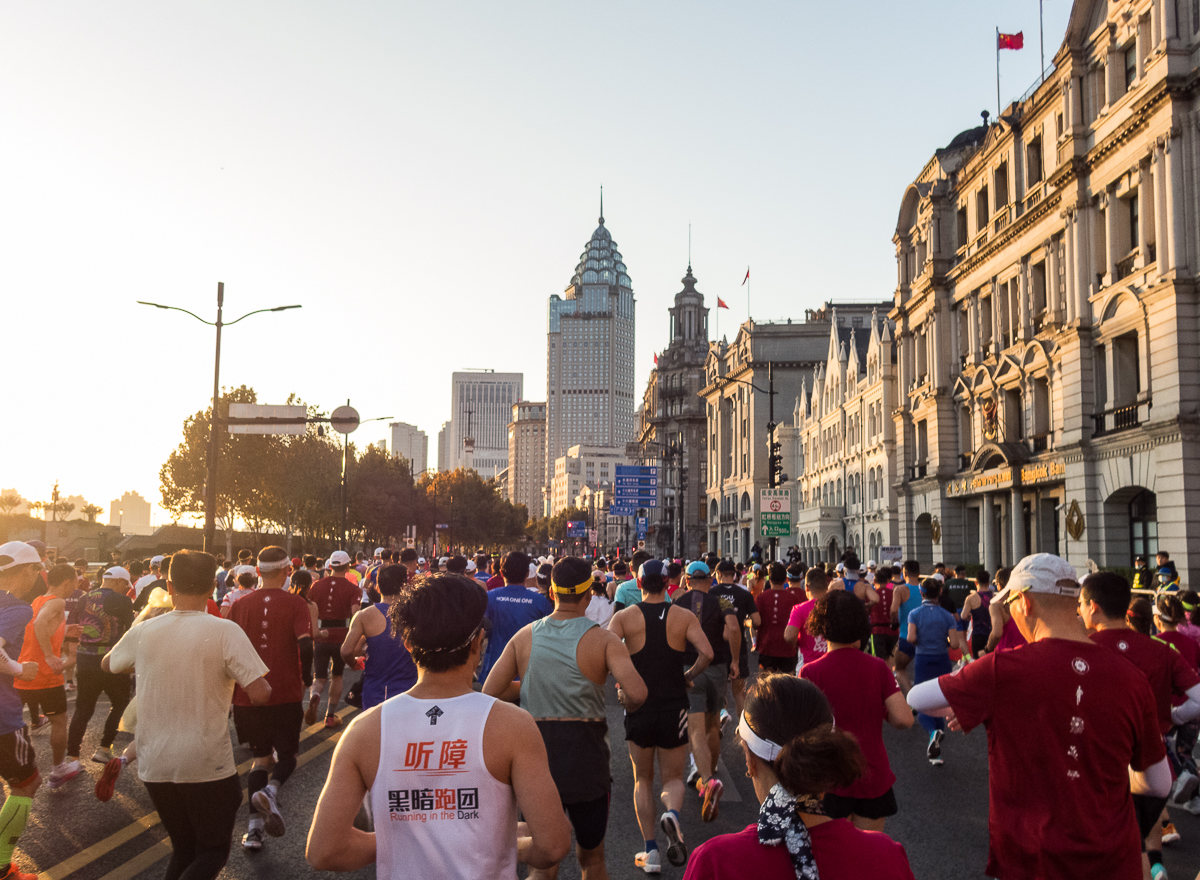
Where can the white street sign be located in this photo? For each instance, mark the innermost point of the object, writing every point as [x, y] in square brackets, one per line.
[275, 419]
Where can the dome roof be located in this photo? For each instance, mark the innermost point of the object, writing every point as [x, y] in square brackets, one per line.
[601, 262]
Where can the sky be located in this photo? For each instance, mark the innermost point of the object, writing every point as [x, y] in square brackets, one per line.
[421, 177]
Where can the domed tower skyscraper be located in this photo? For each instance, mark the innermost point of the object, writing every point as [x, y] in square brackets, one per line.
[589, 353]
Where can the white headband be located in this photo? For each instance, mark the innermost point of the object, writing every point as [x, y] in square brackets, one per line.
[274, 566]
[764, 748]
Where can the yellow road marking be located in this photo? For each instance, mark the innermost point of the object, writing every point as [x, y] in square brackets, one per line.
[86, 856]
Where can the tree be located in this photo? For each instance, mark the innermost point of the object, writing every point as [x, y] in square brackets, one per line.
[476, 515]
[9, 502]
[91, 511]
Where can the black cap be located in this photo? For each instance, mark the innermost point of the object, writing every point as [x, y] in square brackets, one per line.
[653, 568]
[726, 566]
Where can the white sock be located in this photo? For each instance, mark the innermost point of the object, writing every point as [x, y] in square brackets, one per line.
[256, 822]
[271, 786]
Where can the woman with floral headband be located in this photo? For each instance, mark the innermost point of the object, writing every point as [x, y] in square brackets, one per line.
[794, 754]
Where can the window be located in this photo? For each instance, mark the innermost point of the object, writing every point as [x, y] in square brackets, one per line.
[981, 208]
[1133, 221]
[1037, 278]
[1130, 65]
[1002, 185]
[963, 233]
[1059, 123]
[1033, 161]
[1143, 524]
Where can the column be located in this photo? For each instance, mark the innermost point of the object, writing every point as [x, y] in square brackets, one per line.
[1109, 204]
[1162, 236]
[1071, 258]
[987, 531]
[1022, 317]
[1017, 519]
[1173, 153]
[1144, 187]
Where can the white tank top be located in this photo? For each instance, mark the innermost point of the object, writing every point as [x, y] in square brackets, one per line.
[438, 811]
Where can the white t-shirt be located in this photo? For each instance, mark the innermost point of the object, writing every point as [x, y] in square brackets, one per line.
[143, 582]
[187, 663]
[600, 609]
[233, 595]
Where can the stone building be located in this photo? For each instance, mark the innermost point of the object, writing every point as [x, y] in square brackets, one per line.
[841, 447]
[583, 466]
[672, 427]
[1046, 312]
[527, 456]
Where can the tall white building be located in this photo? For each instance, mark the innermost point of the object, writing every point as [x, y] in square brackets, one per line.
[411, 443]
[443, 452]
[481, 408]
[527, 456]
[582, 467]
[589, 354]
[131, 512]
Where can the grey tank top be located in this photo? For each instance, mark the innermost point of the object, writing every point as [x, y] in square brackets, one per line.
[554, 686]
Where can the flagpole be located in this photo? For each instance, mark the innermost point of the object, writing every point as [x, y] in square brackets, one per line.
[997, 74]
[1041, 38]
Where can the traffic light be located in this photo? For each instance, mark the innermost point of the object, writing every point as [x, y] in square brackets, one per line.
[683, 480]
[775, 462]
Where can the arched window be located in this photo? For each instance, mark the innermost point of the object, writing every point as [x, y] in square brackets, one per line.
[839, 494]
[745, 502]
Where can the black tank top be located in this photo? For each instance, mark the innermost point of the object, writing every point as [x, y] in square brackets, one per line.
[981, 617]
[708, 609]
[659, 665]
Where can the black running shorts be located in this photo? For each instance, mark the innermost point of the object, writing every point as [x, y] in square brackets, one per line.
[324, 655]
[657, 728]
[590, 821]
[267, 729]
[51, 700]
[18, 763]
[767, 663]
[839, 807]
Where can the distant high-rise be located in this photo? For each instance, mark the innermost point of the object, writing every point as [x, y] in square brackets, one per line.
[589, 354]
[527, 456]
[131, 512]
[411, 443]
[480, 410]
[443, 459]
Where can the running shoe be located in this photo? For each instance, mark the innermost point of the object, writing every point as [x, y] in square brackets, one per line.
[650, 862]
[252, 841]
[310, 714]
[712, 800]
[1170, 835]
[676, 850]
[102, 756]
[934, 750]
[725, 719]
[332, 721]
[63, 774]
[107, 783]
[1158, 872]
[264, 801]
[1192, 806]
[693, 772]
[13, 873]
[1185, 788]
[39, 722]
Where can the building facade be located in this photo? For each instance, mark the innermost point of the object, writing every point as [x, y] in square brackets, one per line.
[443, 453]
[841, 446]
[527, 456]
[591, 467]
[1045, 311]
[672, 429]
[481, 407]
[738, 408]
[589, 354]
[131, 512]
[411, 443]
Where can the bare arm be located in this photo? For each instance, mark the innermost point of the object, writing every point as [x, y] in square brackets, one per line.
[791, 634]
[49, 619]
[549, 836]
[866, 593]
[968, 606]
[334, 844]
[258, 691]
[899, 597]
[733, 635]
[502, 681]
[899, 714]
[698, 640]
[354, 636]
[996, 612]
[631, 689]
[912, 633]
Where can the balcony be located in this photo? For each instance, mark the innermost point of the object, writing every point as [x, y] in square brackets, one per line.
[917, 471]
[1003, 218]
[1125, 267]
[1121, 418]
[1039, 443]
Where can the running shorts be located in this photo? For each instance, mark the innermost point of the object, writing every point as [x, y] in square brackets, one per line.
[657, 728]
[839, 807]
[325, 654]
[51, 701]
[979, 641]
[708, 689]
[267, 729]
[767, 663]
[1147, 810]
[18, 763]
[590, 821]
[579, 759]
[904, 646]
[882, 645]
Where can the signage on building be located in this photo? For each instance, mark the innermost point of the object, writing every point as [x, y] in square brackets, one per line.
[1002, 478]
[1036, 473]
[891, 555]
[576, 528]
[442, 526]
[775, 513]
[592, 536]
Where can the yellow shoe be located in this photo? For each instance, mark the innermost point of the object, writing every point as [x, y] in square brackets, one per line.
[1170, 835]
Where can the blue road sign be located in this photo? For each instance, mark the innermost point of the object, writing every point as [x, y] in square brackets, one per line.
[636, 481]
[631, 470]
[576, 528]
[622, 510]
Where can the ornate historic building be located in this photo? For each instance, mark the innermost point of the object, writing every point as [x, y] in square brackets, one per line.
[1046, 311]
[841, 446]
[671, 429]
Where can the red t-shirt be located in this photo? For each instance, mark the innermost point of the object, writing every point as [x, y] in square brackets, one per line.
[213, 608]
[775, 607]
[842, 852]
[275, 621]
[856, 685]
[1188, 649]
[811, 647]
[337, 598]
[1169, 674]
[1064, 723]
[495, 582]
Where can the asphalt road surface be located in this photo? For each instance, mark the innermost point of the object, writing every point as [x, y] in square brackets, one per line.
[942, 821]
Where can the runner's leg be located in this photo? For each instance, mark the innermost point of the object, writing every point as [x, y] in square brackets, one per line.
[698, 739]
[117, 687]
[335, 695]
[89, 686]
[671, 764]
[643, 788]
[712, 732]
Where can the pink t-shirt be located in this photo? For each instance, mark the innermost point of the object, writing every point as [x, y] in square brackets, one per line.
[856, 685]
[811, 647]
[842, 851]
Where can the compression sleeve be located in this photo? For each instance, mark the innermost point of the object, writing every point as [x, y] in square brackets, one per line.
[1155, 781]
[1190, 710]
[927, 697]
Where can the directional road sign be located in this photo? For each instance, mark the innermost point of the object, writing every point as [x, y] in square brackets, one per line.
[775, 513]
[622, 510]
[255, 418]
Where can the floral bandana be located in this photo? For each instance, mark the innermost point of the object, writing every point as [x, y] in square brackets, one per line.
[779, 822]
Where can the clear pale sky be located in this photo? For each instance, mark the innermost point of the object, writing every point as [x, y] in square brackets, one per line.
[421, 177]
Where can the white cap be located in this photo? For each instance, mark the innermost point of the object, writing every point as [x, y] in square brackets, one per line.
[116, 572]
[870, 563]
[470, 565]
[937, 576]
[533, 567]
[841, 566]
[16, 553]
[420, 560]
[443, 560]
[339, 557]
[156, 560]
[378, 551]
[239, 570]
[1041, 573]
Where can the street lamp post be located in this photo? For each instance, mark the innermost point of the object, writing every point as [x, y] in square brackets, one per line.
[210, 488]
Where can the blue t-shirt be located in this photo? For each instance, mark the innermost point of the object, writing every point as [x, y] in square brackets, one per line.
[629, 594]
[933, 623]
[15, 615]
[510, 608]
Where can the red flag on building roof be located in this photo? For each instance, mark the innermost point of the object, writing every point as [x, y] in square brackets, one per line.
[656, 359]
[747, 278]
[1011, 41]
[721, 304]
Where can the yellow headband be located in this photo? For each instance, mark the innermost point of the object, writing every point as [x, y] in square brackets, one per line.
[575, 590]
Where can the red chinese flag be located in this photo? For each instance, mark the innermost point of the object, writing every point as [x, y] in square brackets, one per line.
[656, 359]
[721, 304]
[747, 278]
[1012, 41]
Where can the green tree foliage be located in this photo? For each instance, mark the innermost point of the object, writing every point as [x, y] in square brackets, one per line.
[472, 508]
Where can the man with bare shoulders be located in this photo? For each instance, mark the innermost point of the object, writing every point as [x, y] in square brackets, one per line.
[440, 751]
[657, 634]
[558, 666]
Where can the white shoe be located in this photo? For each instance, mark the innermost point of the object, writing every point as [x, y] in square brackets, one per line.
[264, 801]
[650, 862]
[1185, 788]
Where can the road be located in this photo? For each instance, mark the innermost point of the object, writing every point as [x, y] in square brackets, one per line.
[942, 821]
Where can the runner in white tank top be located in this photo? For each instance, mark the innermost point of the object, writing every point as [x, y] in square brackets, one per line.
[447, 768]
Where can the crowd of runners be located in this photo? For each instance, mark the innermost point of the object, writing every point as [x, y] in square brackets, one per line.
[482, 737]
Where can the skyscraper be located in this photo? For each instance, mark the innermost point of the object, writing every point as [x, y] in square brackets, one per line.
[527, 455]
[411, 443]
[589, 353]
[480, 409]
